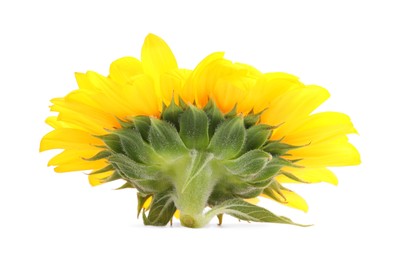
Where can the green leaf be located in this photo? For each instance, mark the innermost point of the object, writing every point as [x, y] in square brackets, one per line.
[228, 139]
[194, 128]
[246, 211]
[161, 211]
[165, 139]
[214, 115]
[172, 113]
[256, 136]
[142, 124]
[134, 146]
[249, 163]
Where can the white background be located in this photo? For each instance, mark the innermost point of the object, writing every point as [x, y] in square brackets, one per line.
[352, 48]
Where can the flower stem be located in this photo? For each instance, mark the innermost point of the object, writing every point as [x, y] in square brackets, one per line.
[194, 188]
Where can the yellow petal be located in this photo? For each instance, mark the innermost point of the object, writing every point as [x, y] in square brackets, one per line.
[83, 82]
[219, 74]
[79, 166]
[320, 127]
[246, 103]
[172, 83]
[97, 179]
[100, 92]
[140, 93]
[157, 58]
[292, 107]
[270, 86]
[72, 155]
[253, 200]
[229, 91]
[84, 116]
[55, 123]
[121, 70]
[292, 200]
[66, 138]
[74, 160]
[309, 174]
[109, 94]
[196, 87]
[147, 203]
[85, 97]
[333, 152]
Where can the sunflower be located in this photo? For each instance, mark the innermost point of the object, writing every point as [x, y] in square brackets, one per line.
[218, 136]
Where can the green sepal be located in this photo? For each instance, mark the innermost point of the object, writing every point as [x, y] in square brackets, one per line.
[270, 170]
[131, 169]
[124, 124]
[182, 103]
[105, 169]
[172, 113]
[251, 120]
[278, 148]
[101, 155]
[194, 128]
[165, 139]
[112, 142]
[126, 185]
[220, 194]
[214, 115]
[142, 124]
[229, 188]
[232, 113]
[246, 211]
[220, 217]
[293, 177]
[246, 190]
[147, 179]
[256, 137]
[134, 146]
[141, 199]
[249, 163]
[274, 191]
[114, 176]
[228, 139]
[161, 211]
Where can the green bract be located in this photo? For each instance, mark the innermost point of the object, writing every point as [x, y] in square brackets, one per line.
[193, 158]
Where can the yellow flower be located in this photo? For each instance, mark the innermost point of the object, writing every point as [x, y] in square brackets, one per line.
[215, 136]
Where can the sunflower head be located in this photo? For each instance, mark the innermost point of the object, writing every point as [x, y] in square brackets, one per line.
[218, 136]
